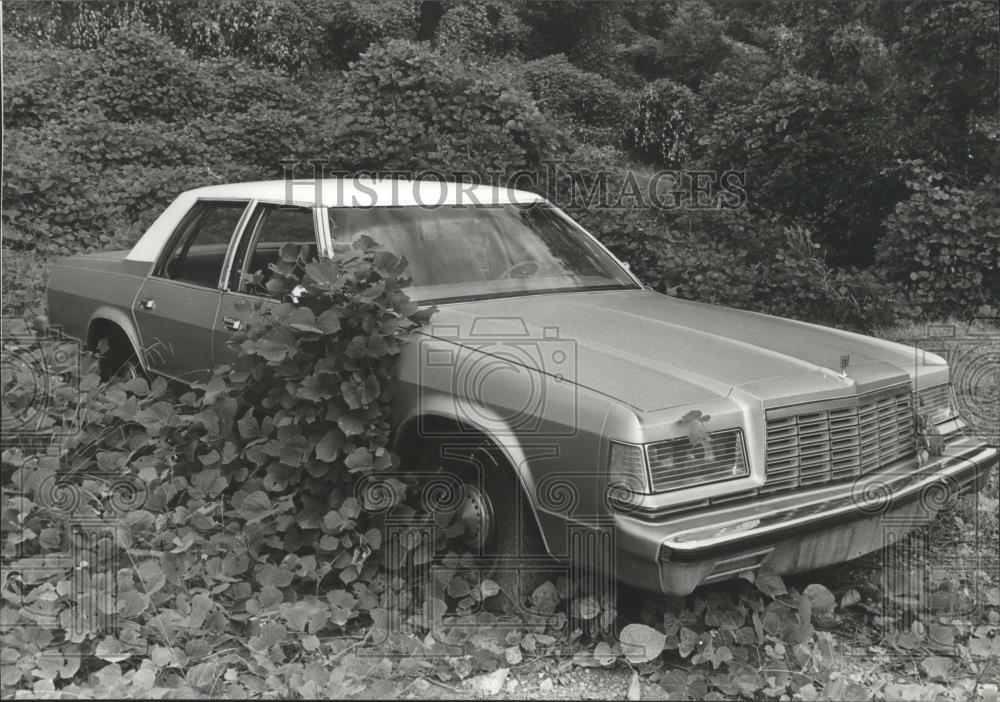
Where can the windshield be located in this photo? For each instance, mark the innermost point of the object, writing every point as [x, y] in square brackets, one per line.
[463, 252]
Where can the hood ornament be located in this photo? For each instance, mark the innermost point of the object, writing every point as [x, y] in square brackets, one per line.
[845, 361]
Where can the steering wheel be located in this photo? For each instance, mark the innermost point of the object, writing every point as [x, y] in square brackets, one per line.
[535, 266]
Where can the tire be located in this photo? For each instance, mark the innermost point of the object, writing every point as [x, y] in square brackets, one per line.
[119, 361]
[501, 529]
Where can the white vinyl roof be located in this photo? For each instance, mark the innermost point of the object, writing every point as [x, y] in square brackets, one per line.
[332, 192]
[365, 192]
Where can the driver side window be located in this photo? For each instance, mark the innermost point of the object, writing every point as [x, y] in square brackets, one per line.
[197, 250]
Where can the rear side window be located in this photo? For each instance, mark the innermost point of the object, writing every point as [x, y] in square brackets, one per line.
[197, 251]
[271, 227]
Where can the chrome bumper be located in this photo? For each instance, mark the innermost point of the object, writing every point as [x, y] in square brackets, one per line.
[797, 532]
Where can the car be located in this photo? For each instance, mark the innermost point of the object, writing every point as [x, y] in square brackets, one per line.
[592, 424]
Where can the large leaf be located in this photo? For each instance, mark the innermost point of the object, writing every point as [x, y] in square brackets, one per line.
[770, 583]
[328, 447]
[641, 643]
[202, 676]
[329, 321]
[937, 668]
[821, 600]
[255, 506]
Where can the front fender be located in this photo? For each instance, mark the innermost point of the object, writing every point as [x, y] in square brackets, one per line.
[561, 476]
[437, 406]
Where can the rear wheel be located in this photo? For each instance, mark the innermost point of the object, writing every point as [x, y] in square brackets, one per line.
[118, 360]
[492, 518]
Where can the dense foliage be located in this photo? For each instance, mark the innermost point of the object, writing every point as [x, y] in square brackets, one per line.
[943, 243]
[664, 126]
[234, 500]
[565, 90]
[480, 29]
[820, 107]
[289, 35]
[802, 143]
[245, 555]
[404, 107]
[152, 114]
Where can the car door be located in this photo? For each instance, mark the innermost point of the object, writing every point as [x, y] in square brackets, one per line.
[176, 307]
[269, 227]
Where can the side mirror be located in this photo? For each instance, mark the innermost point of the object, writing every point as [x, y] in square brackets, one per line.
[298, 293]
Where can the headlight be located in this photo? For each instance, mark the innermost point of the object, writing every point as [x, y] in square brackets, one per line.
[679, 463]
[935, 406]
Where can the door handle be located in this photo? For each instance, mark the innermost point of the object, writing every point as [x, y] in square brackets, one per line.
[232, 323]
[147, 303]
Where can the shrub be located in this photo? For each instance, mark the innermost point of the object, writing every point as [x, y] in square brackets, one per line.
[144, 76]
[770, 267]
[587, 98]
[808, 148]
[943, 245]
[590, 34]
[357, 24]
[690, 47]
[41, 82]
[726, 257]
[739, 79]
[945, 59]
[480, 29]
[405, 107]
[665, 125]
[290, 35]
[84, 25]
[202, 122]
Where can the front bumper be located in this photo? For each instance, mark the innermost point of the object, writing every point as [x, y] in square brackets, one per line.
[796, 532]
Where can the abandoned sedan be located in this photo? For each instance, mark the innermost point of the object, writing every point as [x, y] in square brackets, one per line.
[592, 421]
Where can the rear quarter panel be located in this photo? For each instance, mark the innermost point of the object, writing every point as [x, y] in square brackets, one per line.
[85, 287]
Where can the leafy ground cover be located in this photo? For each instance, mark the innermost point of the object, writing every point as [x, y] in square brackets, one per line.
[240, 561]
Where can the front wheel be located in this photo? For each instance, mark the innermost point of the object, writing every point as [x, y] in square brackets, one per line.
[491, 519]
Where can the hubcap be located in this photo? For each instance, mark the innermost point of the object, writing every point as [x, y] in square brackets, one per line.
[476, 512]
[128, 370]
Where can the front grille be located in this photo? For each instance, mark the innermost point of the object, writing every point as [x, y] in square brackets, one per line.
[840, 443]
[676, 463]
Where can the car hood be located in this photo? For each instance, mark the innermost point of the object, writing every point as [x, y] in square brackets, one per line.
[653, 352]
